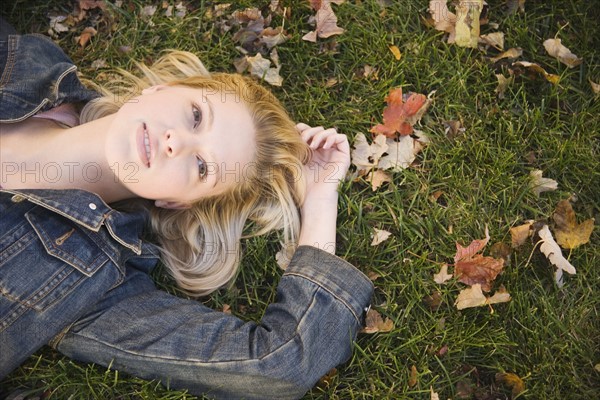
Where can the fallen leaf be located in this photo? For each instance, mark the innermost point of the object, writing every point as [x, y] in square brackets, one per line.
[397, 112]
[226, 308]
[569, 234]
[443, 276]
[510, 53]
[377, 178]
[272, 37]
[479, 270]
[434, 395]
[374, 323]
[86, 35]
[595, 87]
[434, 300]
[475, 247]
[373, 276]
[444, 20]
[401, 153]
[556, 49]
[148, 11]
[57, 26]
[261, 68]
[552, 251]
[366, 156]
[511, 380]
[467, 22]
[396, 52]
[520, 234]
[453, 128]
[379, 236]
[326, 21]
[502, 251]
[537, 70]
[503, 83]
[539, 184]
[326, 379]
[413, 376]
[474, 297]
[494, 39]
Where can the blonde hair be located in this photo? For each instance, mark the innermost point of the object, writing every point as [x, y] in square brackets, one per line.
[201, 245]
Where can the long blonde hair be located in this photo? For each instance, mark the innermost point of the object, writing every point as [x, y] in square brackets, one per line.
[201, 245]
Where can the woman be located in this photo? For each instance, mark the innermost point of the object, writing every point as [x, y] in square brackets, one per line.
[209, 153]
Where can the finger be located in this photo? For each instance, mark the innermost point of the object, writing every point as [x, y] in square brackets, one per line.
[308, 134]
[301, 126]
[320, 137]
[336, 140]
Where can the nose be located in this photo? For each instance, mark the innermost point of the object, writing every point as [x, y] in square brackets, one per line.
[176, 142]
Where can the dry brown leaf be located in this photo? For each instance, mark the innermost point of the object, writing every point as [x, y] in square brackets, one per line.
[374, 323]
[413, 376]
[398, 111]
[402, 153]
[463, 253]
[261, 68]
[514, 52]
[396, 52]
[474, 297]
[326, 21]
[434, 300]
[503, 83]
[511, 380]
[494, 39]
[444, 20]
[366, 156]
[520, 234]
[595, 87]
[569, 234]
[86, 35]
[537, 70]
[467, 22]
[443, 276]
[556, 49]
[379, 235]
[479, 270]
[501, 250]
[434, 395]
[552, 251]
[539, 184]
[378, 178]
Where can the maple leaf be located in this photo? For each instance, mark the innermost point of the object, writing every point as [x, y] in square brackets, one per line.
[379, 235]
[401, 153]
[474, 297]
[570, 234]
[556, 49]
[396, 113]
[366, 156]
[467, 22]
[539, 184]
[552, 251]
[374, 323]
[471, 268]
[443, 276]
[513, 381]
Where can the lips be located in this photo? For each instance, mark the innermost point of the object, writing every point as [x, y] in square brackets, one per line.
[143, 145]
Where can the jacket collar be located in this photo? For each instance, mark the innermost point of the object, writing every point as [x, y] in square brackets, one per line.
[90, 211]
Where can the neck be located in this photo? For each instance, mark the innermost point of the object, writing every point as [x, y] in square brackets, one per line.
[57, 158]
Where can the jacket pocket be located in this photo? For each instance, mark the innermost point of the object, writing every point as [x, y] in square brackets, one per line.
[44, 260]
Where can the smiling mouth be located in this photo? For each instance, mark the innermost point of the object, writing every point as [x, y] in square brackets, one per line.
[147, 143]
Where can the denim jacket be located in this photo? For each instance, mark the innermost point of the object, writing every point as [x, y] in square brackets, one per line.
[74, 274]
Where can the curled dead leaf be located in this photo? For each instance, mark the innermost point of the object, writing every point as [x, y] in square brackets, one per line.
[379, 235]
[510, 53]
[413, 376]
[86, 35]
[512, 381]
[375, 323]
[595, 87]
[536, 70]
[552, 251]
[467, 22]
[539, 184]
[520, 234]
[479, 270]
[474, 297]
[494, 39]
[396, 52]
[556, 49]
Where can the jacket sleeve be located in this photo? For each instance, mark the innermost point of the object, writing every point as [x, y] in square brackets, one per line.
[308, 330]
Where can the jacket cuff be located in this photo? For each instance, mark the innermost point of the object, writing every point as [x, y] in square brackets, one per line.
[340, 278]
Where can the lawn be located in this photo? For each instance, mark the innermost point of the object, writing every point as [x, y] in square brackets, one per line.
[548, 336]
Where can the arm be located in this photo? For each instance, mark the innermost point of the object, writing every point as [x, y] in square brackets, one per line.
[330, 162]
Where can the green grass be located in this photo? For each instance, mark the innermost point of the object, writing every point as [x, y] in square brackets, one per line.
[548, 336]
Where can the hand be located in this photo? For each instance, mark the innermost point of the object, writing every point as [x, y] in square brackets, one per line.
[330, 161]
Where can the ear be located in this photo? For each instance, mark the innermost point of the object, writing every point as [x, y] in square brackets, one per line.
[172, 205]
[153, 89]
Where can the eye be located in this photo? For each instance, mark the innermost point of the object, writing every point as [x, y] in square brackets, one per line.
[202, 169]
[197, 116]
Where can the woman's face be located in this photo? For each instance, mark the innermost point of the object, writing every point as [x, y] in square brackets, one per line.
[176, 144]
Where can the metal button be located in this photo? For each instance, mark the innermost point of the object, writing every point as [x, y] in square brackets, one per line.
[92, 206]
[17, 198]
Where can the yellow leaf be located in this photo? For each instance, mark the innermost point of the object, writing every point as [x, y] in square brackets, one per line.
[569, 234]
[467, 22]
[513, 381]
[396, 52]
[413, 378]
[536, 69]
[510, 53]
